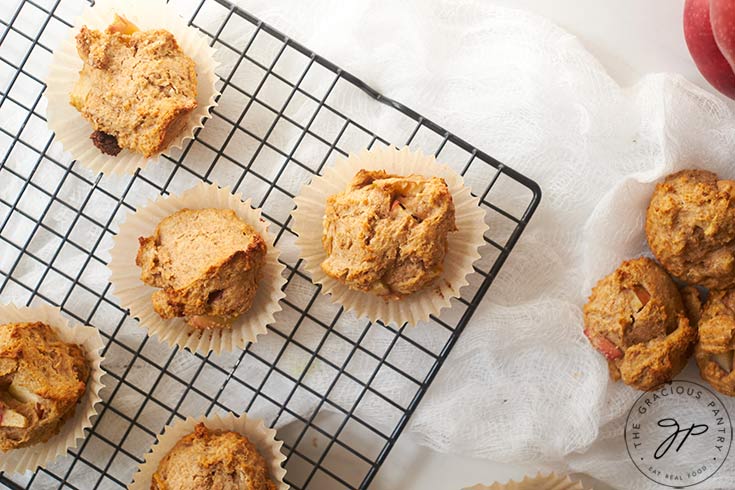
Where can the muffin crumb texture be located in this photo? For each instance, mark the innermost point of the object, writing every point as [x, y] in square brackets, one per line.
[714, 351]
[136, 88]
[213, 459]
[207, 264]
[690, 225]
[692, 299]
[635, 317]
[41, 381]
[387, 234]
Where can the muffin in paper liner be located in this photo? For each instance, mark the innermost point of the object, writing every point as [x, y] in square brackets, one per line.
[539, 482]
[30, 458]
[135, 295]
[73, 131]
[462, 248]
[253, 429]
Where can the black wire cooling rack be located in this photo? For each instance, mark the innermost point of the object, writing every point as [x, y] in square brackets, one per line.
[342, 450]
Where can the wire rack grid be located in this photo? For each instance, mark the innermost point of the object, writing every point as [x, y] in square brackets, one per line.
[257, 145]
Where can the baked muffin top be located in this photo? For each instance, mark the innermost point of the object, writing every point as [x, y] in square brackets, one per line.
[692, 299]
[207, 263]
[387, 234]
[690, 227]
[714, 351]
[41, 381]
[213, 459]
[636, 319]
[136, 88]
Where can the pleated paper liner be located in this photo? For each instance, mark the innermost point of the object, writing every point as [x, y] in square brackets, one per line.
[135, 295]
[539, 482]
[462, 249]
[73, 131]
[30, 458]
[254, 430]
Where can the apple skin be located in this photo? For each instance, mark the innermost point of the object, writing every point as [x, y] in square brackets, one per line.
[702, 43]
[722, 17]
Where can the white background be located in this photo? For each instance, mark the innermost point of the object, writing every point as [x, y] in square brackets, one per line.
[631, 38]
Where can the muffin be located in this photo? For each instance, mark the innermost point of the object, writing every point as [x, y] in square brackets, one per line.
[635, 317]
[387, 234]
[690, 225]
[714, 351]
[207, 264]
[213, 459]
[137, 88]
[691, 297]
[347, 245]
[41, 381]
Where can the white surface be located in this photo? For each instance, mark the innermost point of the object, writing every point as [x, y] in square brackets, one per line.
[631, 38]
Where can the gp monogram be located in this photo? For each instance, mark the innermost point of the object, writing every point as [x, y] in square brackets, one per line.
[678, 435]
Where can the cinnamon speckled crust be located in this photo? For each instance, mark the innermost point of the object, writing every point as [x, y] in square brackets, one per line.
[213, 460]
[714, 351]
[690, 227]
[207, 263]
[137, 86]
[636, 319]
[692, 299]
[41, 381]
[387, 234]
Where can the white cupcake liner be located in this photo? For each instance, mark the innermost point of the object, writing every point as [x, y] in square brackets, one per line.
[30, 458]
[539, 482]
[135, 295]
[462, 249]
[73, 131]
[255, 430]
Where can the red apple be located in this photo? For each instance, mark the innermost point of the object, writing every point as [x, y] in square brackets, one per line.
[605, 346]
[702, 43]
[722, 17]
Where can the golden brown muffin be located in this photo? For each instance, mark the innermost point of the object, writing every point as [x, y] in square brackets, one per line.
[41, 381]
[207, 263]
[636, 319]
[714, 351]
[213, 459]
[690, 227]
[137, 88]
[692, 299]
[387, 234]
